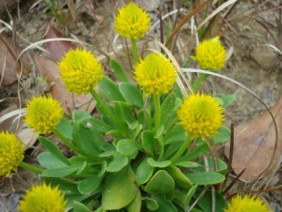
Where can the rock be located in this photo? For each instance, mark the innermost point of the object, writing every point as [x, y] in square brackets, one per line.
[265, 57]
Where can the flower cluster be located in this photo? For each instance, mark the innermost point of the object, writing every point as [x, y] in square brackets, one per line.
[80, 71]
[201, 115]
[43, 114]
[155, 74]
[210, 54]
[11, 153]
[43, 198]
[247, 203]
[132, 21]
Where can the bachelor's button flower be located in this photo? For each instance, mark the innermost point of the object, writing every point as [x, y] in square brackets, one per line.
[155, 74]
[43, 198]
[11, 153]
[43, 114]
[80, 71]
[247, 204]
[210, 54]
[132, 21]
[201, 115]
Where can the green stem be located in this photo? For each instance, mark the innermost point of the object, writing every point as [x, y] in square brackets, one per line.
[157, 107]
[198, 81]
[66, 141]
[30, 167]
[134, 50]
[182, 149]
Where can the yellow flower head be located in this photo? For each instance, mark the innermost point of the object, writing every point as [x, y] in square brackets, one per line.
[80, 71]
[132, 21]
[43, 114]
[11, 153]
[201, 115]
[155, 74]
[210, 54]
[43, 198]
[247, 204]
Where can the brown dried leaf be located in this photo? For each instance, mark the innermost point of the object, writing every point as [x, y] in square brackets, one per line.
[19, 127]
[255, 142]
[9, 68]
[50, 70]
[57, 49]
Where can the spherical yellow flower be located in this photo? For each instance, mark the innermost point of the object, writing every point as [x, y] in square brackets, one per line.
[43, 114]
[155, 74]
[132, 21]
[210, 54]
[201, 115]
[247, 204]
[43, 198]
[11, 153]
[80, 71]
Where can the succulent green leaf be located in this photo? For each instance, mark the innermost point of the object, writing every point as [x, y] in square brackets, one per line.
[89, 185]
[80, 207]
[151, 204]
[148, 141]
[118, 162]
[144, 172]
[128, 147]
[159, 164]
[179, 177]
[131, 94]
[109, 88]
[136, 204]
[48, 160]
[205, 178]
[161, 183]
[119, 190]
[119, 71]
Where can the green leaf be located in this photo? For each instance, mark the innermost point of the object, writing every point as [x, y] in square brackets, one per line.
[131, 94]
[48, 160]
[151, 204]
[144, 172]
[165, 205]
[118, 162]
[119, 71]
[136, 204]
[60, 171]
[128, 147]
[78, 115]
[223, 135]
[119, 190]
[87, 138]
[205, 178]
[206, 202]
[210, 162]
[97, 124]
[65, 128]
[87, 186]
[160, 131]
[109, 89]
[161, 183]
[175, 135]
[186, 164]
[159, 164]
[189, 196]
[148, 141]
[178, 176]
[80, 207]
[226, 100]
[53, 149]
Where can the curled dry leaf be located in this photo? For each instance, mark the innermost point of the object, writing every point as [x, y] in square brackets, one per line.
[17, 126]
[50, 71]
[254, 144]
[9, 68]
[56, 49]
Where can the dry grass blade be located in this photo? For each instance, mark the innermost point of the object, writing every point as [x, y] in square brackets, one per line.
[233, 182]
[275, 48]
[19, 113]
[35, 45]
[178, 68]
[271, 163]
[184, 20]
[214, 13]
